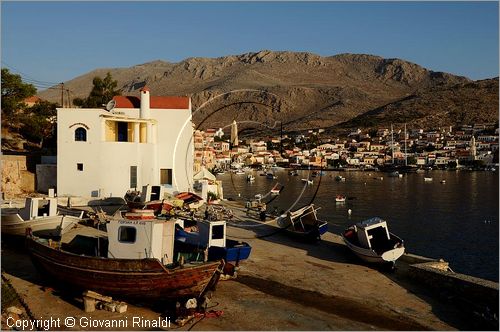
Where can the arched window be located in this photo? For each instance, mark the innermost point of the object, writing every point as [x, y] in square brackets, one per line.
[81, 134]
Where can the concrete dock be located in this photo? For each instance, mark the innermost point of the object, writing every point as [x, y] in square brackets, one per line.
[287, 285]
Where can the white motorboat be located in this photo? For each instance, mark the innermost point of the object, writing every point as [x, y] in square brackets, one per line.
[427, 179]
[371, 241]
[340, 199]
[307, 181]
[41, 215]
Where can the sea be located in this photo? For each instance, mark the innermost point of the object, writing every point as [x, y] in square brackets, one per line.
[454, 217]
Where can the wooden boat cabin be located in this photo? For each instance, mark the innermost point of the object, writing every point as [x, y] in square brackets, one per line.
[140, 235]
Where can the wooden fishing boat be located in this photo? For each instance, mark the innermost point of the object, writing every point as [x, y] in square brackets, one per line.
[371, 241]
[41, 215]
[303, 223]
[138, 263]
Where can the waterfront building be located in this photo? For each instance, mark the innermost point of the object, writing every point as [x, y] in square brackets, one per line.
[132, 142]
[221, 146]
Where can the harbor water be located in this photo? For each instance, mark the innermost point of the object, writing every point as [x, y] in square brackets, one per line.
[455, 219]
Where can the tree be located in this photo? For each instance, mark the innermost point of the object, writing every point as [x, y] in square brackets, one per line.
[102, 92]
[39, 121]
[14, 91]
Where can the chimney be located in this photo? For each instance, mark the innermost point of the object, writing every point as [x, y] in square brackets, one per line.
[144, 110]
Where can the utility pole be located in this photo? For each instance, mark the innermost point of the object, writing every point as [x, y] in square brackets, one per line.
[62, 95]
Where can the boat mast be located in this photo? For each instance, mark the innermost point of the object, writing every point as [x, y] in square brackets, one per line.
[392, 143]
[406, 158]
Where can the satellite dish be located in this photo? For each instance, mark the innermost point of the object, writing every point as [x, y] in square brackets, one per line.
[110, 105]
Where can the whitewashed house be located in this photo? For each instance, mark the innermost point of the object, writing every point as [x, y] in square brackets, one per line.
[135, 141]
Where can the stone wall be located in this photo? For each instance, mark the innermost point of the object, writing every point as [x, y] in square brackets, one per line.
[479, 296]
[16, 178]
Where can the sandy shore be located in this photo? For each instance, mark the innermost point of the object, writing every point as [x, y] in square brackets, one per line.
[285, 285]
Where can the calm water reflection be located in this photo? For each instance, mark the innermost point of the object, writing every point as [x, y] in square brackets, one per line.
[456, 221]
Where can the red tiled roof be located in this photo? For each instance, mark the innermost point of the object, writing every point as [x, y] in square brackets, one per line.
[32, 99]
[155, 102]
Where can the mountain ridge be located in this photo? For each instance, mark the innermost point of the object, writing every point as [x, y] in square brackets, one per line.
[301, 89]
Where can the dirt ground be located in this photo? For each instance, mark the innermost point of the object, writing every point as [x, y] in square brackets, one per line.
[285, 285]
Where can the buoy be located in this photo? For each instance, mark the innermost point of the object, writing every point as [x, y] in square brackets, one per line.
[349, 211]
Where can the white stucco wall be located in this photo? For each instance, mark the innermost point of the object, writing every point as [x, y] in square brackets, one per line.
[107, 164]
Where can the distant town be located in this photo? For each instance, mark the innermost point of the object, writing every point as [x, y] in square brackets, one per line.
[470, 147]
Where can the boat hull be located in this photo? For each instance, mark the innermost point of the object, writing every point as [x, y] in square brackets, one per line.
[233, 253]
[124, 278]
[370, 256]
[45, 226]
[311, 234]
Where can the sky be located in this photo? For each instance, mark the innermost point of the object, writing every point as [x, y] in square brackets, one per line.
[51, 42]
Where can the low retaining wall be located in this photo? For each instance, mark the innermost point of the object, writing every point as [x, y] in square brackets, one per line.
[477, 295]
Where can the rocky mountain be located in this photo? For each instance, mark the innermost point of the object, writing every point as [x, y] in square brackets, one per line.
[463, 103]
[304, 90]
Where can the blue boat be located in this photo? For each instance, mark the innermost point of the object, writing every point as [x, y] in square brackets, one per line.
[209, 242]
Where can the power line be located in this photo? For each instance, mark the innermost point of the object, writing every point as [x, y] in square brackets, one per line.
[28, 77]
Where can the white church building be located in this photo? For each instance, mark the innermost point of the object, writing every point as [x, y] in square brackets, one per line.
[133, 142]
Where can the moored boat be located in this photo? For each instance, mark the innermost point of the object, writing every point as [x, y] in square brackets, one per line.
[271, 176]
[340, 198]
[339, 178]
[307, 181]
[138, 263]
[210, 236]
[276, 189]
[371, 241]
[41, 215]
[152, 198]
[303, 223]
[427, 179]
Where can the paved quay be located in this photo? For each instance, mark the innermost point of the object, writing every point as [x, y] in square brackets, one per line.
[285, 285]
